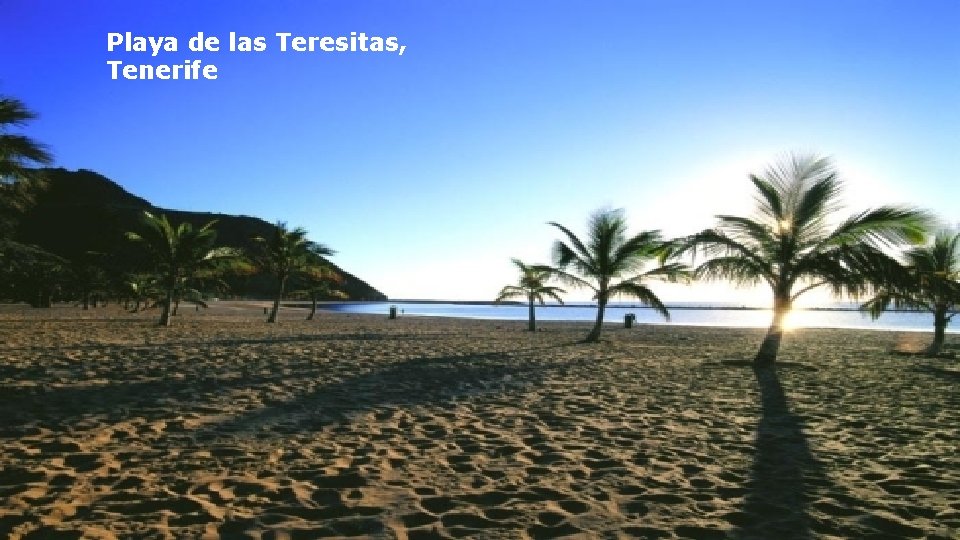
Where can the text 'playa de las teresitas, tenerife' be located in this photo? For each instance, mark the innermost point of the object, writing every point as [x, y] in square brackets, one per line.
[195, 69]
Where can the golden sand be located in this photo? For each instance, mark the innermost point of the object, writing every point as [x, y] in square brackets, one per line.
[357, 426]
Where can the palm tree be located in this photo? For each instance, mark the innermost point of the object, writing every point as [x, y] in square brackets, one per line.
[179, 253]
[609, 263]
[141, 287]
[790, 245]
[320, 281]
[89, 280]
[18, 152]
[930, 281]
[532, 286]
[285, 253]
[18, 183]
[29, 273]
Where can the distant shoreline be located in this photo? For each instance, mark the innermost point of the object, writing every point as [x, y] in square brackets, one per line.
[698, 307]
[732, 316]
[254, 308]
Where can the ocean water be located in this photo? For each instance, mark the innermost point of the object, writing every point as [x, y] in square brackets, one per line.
[839, 315]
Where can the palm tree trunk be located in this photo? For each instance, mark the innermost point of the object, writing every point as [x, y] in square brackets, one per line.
[594, 335]
[46, 299]
[276, 303]
[165, 312]
[532, 319]
[939, 330]
[770, 347]
[313, 305]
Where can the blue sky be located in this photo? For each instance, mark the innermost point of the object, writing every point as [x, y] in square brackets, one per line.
[428, 171]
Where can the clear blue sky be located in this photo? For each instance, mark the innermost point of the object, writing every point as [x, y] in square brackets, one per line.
[428, 171]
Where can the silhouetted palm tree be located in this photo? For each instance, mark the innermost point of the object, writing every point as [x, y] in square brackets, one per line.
[18, 183]
[18, 152]
[89, 278]
[609, 263]
[179, 254]
[532, 286]
[930, 281]
[790, 245]
[285, 253]
[29, 273]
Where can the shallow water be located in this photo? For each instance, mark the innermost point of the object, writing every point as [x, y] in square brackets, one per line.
[840, 315]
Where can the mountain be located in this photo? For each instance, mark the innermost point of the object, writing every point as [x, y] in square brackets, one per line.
[82, 211]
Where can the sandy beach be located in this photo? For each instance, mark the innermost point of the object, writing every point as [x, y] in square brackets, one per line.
[358, 426]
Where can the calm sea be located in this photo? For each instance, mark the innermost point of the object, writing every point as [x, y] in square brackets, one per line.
[839, 315]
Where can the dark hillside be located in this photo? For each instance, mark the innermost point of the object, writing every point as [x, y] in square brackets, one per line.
[82, 211]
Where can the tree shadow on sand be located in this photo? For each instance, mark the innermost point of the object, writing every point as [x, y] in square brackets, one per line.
[163, 341]
[947, 374]
[339, 389]
[408, 383]
[59, 407]
[785, 471]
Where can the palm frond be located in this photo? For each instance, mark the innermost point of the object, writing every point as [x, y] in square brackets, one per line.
[18, 152]
[883, 300]
[14, 112]
[671, 272]
[606, 229]
[572, 280]
[717, 244]
[816, 202]
[884, 226]
[734, 268]
[769, 202]
[510, 291]
[551, 292]
[745, 230]
[565, 256]
[631, 254]
[643, 293]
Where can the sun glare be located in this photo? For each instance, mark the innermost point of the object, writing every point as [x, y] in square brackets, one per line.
[790, 321]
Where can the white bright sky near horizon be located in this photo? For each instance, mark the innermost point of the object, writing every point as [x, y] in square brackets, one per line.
[428, 172]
